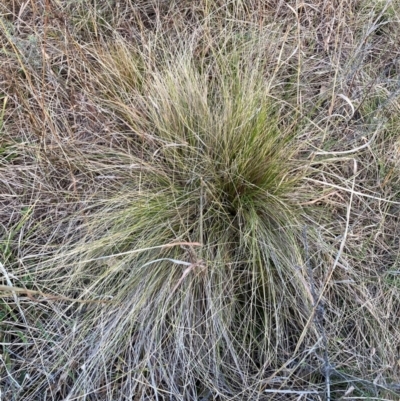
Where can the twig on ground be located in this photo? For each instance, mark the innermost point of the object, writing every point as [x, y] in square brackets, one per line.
[318, 318]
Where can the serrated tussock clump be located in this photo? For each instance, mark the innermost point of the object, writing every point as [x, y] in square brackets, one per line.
[200, 248]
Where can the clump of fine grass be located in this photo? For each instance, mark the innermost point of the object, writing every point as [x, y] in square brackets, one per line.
[200, 249]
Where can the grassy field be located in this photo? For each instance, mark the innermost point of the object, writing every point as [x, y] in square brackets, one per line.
[199, 200]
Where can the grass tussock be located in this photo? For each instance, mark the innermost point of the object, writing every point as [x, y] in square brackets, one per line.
[216, 185]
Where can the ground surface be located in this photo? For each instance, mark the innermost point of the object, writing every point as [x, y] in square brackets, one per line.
[199, 200]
